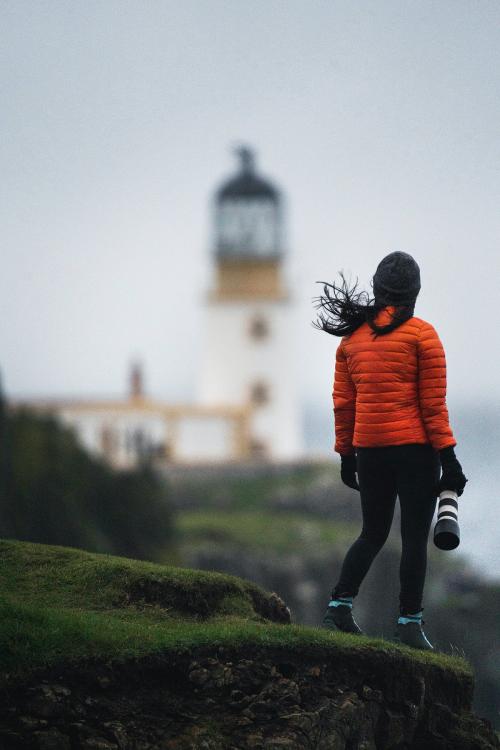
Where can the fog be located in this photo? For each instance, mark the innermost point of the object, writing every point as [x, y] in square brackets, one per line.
[379, 120]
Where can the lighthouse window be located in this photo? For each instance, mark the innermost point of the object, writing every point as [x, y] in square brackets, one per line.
[259, 393]
[259, 328]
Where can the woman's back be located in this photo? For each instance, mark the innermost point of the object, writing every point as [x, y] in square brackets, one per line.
[391, 430]
[391, 390]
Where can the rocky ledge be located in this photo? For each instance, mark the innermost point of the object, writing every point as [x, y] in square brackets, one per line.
[246, 697]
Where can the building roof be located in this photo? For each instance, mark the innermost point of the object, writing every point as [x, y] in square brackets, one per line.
[247, 184]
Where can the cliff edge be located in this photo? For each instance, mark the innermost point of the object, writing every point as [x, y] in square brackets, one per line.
[104, 653]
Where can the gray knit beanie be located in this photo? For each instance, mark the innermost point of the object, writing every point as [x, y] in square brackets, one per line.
[396, 280]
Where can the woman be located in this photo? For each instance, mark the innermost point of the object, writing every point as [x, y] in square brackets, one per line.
[391, 429]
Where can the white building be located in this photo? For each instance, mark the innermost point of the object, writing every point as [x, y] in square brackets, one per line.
[249, 343]
[248, 406]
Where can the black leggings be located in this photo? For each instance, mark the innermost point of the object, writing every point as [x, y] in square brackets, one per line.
[411, 471]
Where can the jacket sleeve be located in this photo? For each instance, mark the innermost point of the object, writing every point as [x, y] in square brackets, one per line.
[344, 404]
[432, 388]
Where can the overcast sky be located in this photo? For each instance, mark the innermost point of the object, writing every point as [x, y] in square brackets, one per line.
[380, 120]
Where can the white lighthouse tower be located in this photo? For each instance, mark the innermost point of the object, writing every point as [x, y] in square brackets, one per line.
[250, 333]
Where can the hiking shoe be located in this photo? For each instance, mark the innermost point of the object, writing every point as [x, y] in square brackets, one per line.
[411, 634]
[340, 618]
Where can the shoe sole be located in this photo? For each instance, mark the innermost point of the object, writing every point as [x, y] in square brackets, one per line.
[397, 640]
[336, 629]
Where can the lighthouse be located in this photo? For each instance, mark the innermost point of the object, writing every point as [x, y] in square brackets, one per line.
[249, 354]
[247, 405]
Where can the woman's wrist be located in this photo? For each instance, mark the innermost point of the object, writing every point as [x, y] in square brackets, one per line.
[348, 458]
[447, 456]
[452, 477]
[348, 468]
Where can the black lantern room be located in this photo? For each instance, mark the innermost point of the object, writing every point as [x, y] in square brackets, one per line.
[247, 214]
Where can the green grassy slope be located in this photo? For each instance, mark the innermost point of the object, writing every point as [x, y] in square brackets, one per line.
[59, 605]
[250, 491]
[279, 532]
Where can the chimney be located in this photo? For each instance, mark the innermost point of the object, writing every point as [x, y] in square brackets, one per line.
[136, 381]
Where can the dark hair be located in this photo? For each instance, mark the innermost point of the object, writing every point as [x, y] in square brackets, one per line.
[343, 310]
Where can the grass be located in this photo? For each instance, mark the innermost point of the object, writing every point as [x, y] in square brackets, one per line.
[256, 492]
[62, 577]
[280, 532]
[63, 605]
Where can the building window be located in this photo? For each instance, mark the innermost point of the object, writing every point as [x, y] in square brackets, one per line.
[139, 443]
[258, 450]
[259, 393]
[109, 442]
[259, 328]
[163, 451]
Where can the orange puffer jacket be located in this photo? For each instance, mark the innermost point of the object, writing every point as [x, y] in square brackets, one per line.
[391, 390]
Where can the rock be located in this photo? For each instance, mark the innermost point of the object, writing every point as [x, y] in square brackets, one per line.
[199, 676]
[413, 710]
[303, 720]
[349, 703]
[237, 696]
[278, 611]
[218, 675]
[119, 734]
[98, 743]
[60, 690]
[47, 701]
[9, 739]
[366, 692]
[275, 700]
[30, 722]
[281, 743]
[262, 708]
[52, 739]
[243, 721]
[331, 741]
[255, 740]
[80, 728]
[395, 729]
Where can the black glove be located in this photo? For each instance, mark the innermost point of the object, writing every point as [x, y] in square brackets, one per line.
[348, 471]
[452, 477]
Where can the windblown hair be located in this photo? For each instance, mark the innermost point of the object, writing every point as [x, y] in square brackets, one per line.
[343, 309]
